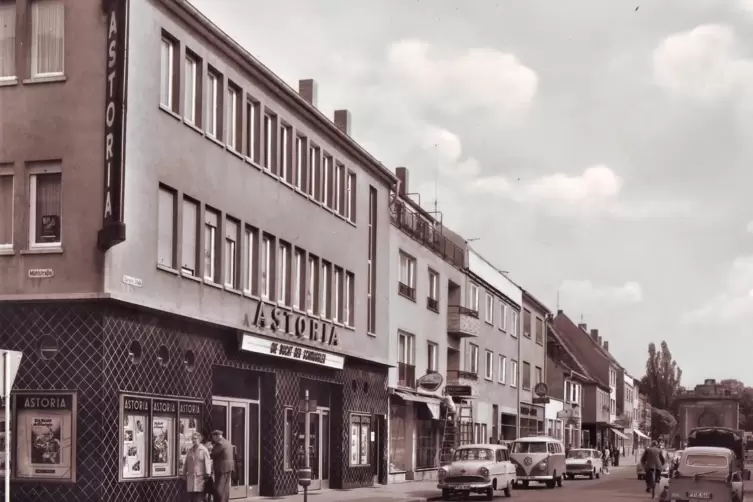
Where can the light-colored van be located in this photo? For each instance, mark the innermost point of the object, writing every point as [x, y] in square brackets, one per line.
[540, 459]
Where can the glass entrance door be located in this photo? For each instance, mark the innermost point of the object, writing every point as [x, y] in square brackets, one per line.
[239, 421]
[318, 446]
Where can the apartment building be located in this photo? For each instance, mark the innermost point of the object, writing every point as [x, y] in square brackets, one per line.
[426, 277]
[628, 410]
[236, 261]
[535, 319]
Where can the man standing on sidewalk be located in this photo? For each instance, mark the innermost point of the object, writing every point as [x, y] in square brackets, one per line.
[222, 465]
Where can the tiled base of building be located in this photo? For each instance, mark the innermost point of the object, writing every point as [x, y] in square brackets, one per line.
[93, 359]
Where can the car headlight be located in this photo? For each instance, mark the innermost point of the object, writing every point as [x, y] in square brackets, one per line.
[442, 473]
[484, 472]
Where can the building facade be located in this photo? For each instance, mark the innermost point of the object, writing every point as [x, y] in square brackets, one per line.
[197, 292]
[426, 277]
[628, 397]
[535, 319]
[709, 404]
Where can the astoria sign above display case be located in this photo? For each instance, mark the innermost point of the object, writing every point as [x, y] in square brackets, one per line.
[278, 320]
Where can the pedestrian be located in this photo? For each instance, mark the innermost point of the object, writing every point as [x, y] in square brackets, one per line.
[616, 457]
[197, 469]
[607, 458]
[222, 465]
[653, 463]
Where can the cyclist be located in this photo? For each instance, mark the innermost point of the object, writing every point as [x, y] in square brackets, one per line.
[653, 462]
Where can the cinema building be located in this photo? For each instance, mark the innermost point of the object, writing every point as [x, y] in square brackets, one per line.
[186, 244]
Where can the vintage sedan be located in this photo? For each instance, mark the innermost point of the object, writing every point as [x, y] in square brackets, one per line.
[704, 473]
[477, 468]
[583, 462]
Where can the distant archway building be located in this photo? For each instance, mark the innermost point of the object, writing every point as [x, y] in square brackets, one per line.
[708, 405]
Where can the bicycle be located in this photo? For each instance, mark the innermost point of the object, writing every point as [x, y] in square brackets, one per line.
[651, 480]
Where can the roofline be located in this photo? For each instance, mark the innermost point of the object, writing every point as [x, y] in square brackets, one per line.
[281, 89]
[534, 300]
[604, 384]
[489, 287]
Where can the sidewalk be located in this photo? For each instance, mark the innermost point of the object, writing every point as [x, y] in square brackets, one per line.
[412, 491]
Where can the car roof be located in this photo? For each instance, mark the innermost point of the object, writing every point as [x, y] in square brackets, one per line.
[538, 439]
[490, 446]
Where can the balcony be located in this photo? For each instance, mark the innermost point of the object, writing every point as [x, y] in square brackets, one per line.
[462, 322]
[406, 375]
[432, 304]
[406, 291]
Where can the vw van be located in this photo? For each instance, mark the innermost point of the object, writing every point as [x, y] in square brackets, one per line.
[540, 459]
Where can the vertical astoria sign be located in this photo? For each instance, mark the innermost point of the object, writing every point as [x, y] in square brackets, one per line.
[113, 225]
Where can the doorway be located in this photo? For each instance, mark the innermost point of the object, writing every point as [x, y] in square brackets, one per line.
[319, 440]
[239, 420]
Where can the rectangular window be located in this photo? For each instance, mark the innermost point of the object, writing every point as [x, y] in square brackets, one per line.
[287, 446]
[232, 229]
[252, 130]
[489, 312]
[7, 41]
[350, 282]
[539, 331]
[337, 285]
[212, 105]
[339, 189]
[312, 285]
[250, 285]
[325, 294]
[515, 321]
[48, 38]
[514, 373]
[266, 266]
[211, 222]
[191, 89]
[473, 358]
[432, 301]
[283, 274]
[568, 391]
[6, 199]
[406, 348]
[350, 197]
[167, 73]
[327, 181]
[407, 284]
[315, 173]
[502, 369]
[233, 118]
[489, 365]
[472, 297]
[270, 141]
[539, 375]
[285, 161]
[166, 231]
[527, 323]
[526, 376]
[372, 261]
[300, 279]
[360, 439]
[432, 355]
[300, 164]
[45, 209]
[189, 248]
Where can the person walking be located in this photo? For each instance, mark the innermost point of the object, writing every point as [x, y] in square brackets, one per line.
[607, 458]
[197, 469]
[222, 465]
[616, 457]
[653, 463]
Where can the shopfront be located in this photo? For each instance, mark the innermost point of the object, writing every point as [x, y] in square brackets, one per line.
[107, 399]
[415, 436]
[531, 420]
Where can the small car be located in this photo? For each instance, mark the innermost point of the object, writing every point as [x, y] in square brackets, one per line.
[477, 468]
[583, 462]
[704, 473]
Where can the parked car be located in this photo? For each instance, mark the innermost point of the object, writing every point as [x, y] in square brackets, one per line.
[540, 459]
[477, 468]
[584, 462]
[704, 473]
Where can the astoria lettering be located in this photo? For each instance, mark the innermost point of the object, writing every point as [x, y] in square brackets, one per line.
[111, 108]
[292, 324]
[190, 409]
[130, 404]
[164, 406]
[46, 403]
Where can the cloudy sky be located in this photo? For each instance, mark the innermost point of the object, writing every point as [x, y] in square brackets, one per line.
[593, 149]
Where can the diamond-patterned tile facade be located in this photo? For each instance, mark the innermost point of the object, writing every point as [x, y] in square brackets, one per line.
[93, 341]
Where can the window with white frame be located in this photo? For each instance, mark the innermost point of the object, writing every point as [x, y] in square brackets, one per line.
[190, 238]
[337, 284]
[166, 231]
[232, 228]
[190, 88]
[433, 296]
[6, 201]
[212, 102]
[407, 275]
[252, 150]
[47, 38]
[432, 357]
[350, 282]
[7, 40]
[312, 286]
[211, 222]
[350, 197]
[406, 348]
[232, 117]
[285, 132]
[251, 241]
[339, 192]
[472, 297]
[514, 373]
[266, 266]
[300, 279]
[515, 321]
[45, 209]
[568, 391]
[269, 142]
[503, 316]
[489, 311]
[502, 369]
[167, 72]
[324, 297]
[473, 358]
[314, 173]
[326, 180]
[489, 365]
[283, 273]
[300, 168]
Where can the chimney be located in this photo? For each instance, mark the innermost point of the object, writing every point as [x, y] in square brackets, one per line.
[606, 345]
[308, 90]
[600, 342]
[583, 326]
[402, 178]
[342, 121]
[595, 336]
[559, 312]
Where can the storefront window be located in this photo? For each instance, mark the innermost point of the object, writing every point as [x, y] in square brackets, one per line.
[190, 423]
[360, 435]
[426, 444]
[288, 436]
[46, 438]
[135, 417]
[163, 438]
[398, 453]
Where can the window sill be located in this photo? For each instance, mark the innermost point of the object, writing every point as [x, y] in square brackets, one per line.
[7, 252]
[51, 250]
[490, 323]
[249, 294]
[213, 284]
[215, 141]
[234, 152]
[191, 277]
[8, 82]
[369, 333]
[406, 297]
[45, 80]
[349, 327]
[355, 466]
[436, 311]
[193, 126]
[352, 223]
[232, 290]
[167, 269]
[501, 383]
[170, 112]
[489, 379]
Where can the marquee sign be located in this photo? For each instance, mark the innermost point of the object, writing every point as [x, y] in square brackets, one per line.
[270, 347]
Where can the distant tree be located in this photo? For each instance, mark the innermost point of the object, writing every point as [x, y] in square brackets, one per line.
[661, 384]
[662, 423]
[746, 401]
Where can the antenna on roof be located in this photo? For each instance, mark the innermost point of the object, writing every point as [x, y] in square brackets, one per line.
[558, 299]
[581, 318]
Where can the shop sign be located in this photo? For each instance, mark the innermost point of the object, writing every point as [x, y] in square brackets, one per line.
[541, 389]
[458, 390]
[269, 347]
[41, 273]
[137, 405]
[190, 409]
[430, 382]
[299, 325]
[162, 407]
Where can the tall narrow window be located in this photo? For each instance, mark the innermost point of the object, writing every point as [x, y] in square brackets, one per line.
[252, 128]
[232, 117]
[432, 356]
[327, 181]
[212, 102]
[300, 166]
[489, 311]
[231, 253]
[7, 41]
[473, 358]
[325, 294]
[526, 375]
[371, 321]
[6, 207]
[166, 239]
[47, 38]
[300, 278]
[315, 178]
[337, 290]
[473, 297]
[283, 274]
[502, 369]
[514, 373]
[432, 300]
[211, 221]
[45, 208]
[189, 251]
[350, 197]
[348, 300]
[191, 86]
[337, 189]
[249, 284]
[167, 73]
[269, 142]
[312, 285]
[266, 266]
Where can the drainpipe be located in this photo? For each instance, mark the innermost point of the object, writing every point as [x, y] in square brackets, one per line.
[517, 378]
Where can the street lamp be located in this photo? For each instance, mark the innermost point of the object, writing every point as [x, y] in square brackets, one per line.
[304, 473]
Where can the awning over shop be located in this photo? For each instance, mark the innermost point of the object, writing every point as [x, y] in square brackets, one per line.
[432, 403]
[618, 433]
[640, 434]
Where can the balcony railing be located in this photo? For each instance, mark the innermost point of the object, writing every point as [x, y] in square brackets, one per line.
[406, 290]
[426, 233]
[432, 304]
[406, 375]
[462, 321]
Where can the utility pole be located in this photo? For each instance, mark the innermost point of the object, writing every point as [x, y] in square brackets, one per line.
[306, 405]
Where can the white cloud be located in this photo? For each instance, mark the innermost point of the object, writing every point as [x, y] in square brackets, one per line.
[731, 305]
[746, 6]
[705, 62]
[474, 78]
[749, 228]
[587, 293]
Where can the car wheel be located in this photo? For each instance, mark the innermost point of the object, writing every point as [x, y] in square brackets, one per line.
[560, 481]
[508, 490]
[598, 474]
[490, 493]
[525, 483]
[551, 483]
[593, 473]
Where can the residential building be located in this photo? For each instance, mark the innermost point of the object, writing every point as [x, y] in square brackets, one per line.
[426, 277]
[631, 443]
[237, 261]
[535, 317]
[491, 360]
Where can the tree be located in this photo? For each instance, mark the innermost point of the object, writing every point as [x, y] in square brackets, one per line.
[746, 401]
[661, 385]
[662, 423]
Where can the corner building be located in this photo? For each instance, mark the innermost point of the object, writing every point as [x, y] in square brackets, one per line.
[236, 261]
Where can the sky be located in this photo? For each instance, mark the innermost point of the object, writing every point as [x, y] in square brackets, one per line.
[598, 151]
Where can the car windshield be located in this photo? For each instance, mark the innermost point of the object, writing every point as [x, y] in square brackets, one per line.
[579, 454]
[529, 447]
[473, 454]
[706, 460]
